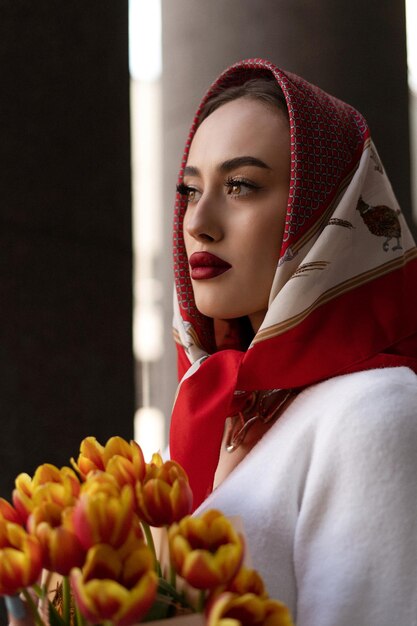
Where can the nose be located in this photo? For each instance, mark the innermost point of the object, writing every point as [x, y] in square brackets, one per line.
[202, 221]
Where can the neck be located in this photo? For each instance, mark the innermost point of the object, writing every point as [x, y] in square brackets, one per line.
[256, 320]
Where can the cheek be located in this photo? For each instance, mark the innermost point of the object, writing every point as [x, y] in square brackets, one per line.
[186, 237]
[265, 239]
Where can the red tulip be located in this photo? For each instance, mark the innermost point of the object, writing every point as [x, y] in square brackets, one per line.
[48, 484]
[9, 513]
[247, 610]
[164, 496]
[99, 518]
[22, 495]
[90, 457]
[205, 550]
[118, 457]
[20, 558]
[61, 548]
[247, 581]
[131, 452]
[113, 587]
[101, 482]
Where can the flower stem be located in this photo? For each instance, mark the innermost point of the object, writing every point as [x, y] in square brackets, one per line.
[149, 538]
[201, 601]
[33, 608]
[79, 617]
[173, 577]
[38, 590]
[66, 596]
[151, 546]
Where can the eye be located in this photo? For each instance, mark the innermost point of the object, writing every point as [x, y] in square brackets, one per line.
[239, 187]
[234, 189]
[191, 193]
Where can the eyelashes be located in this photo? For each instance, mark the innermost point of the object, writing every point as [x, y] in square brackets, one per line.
[235, 187]
[190, 193]
[183, 190]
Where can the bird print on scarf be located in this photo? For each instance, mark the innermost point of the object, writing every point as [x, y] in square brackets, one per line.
[381, 221]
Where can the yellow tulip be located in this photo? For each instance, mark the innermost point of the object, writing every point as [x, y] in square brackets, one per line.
[90, 457]
[61, 548]
[124, 461]
[206, 551]
[101, 482]
[20, 558]
[9, 513]
[164, 496]
[22, 495]
[118, 457]
[49, 483]
[100, 518]
[231, 609]
[247, 581]
[127, 471]
[115, 588]
[116, 446]
[135, 535]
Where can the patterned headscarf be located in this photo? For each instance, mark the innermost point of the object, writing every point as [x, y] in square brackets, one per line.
[343, 298]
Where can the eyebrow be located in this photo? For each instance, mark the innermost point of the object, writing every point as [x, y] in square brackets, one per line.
[229, 165]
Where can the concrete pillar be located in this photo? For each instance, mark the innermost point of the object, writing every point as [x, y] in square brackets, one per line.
[66, 364]
[353, 49]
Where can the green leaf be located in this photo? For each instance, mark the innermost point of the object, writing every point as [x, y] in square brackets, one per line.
[165, 588]
[159, 610]
[54, 617]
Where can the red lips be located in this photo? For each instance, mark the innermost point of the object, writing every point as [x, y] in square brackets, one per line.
[205, 265]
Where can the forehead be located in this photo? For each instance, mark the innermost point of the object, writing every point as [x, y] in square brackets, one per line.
[241, 127]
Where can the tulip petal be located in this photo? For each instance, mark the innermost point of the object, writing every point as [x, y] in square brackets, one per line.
[247, 581]
[136, 564]
[108, 600]
[164, 496]
[62, 549]
[139, 602]
[277, 614]
[90, 457]
[20, 558]
[9, 513]
[98, 518]
[102, 562]
[206, 551]
[247, 610]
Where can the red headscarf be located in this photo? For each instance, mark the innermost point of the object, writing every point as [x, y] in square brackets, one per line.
[344, 296]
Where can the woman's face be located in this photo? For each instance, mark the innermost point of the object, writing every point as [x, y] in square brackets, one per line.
[237, 182]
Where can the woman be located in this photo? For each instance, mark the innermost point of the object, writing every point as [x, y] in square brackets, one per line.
[296, 327]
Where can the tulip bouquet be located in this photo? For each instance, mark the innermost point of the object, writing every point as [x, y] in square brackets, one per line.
[87, 528]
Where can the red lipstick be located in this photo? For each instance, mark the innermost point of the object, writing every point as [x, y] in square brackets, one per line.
[205, 265]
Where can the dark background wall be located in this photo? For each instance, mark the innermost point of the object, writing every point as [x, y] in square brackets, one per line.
[66, 364]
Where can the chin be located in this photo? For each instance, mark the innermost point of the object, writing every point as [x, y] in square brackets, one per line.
[208, 308]
[219, 312]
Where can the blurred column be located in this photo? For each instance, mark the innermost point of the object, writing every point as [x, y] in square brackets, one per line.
[66, 359]
[353, 49]
[145, 70]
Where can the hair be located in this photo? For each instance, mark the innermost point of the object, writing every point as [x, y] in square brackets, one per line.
[265, 90]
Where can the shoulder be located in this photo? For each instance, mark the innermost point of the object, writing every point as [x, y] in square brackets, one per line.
[380, 383]
[374, 403]
[344, 423]
[365, 435]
